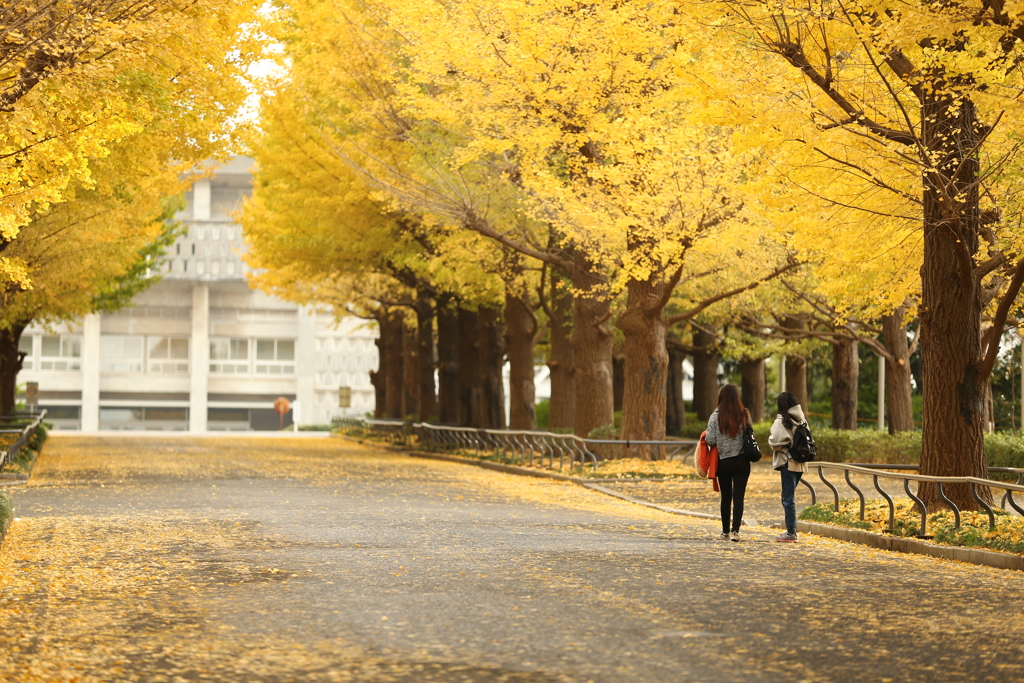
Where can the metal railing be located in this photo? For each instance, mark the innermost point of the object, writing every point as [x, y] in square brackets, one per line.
[882, 471]
[519, 446]
[24, 425]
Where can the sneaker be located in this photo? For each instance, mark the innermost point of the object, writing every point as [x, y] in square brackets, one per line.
[723, 537]
[786, 538]
[734, 536]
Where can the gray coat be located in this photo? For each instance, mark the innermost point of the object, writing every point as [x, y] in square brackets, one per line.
[728, 446]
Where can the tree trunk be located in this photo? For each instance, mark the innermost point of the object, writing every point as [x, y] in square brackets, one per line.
[753, 388]
[562, 360]
[845, 383]
[796, 366]
[618, 381]
[592, 345]
[391, 329]
[520, 334]
[705, 373]
[470, 399]
[898, 403]
[448, 365]
[425, 358]
[644, 397]
[492, 357]
[410, 371]
[378, 378]
[951, 302]
[11, 360]
[675, 405]
[378, 381]
[990, 409]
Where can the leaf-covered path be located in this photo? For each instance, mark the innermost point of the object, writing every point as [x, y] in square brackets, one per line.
[246, 559]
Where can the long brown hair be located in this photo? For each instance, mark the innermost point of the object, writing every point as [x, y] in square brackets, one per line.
[732, 416]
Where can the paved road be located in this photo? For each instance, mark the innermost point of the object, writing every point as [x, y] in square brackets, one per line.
[276, 560]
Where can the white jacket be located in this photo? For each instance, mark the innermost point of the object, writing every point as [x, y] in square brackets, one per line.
[780, 438]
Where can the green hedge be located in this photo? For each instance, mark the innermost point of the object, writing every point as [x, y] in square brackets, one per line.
[871, 446]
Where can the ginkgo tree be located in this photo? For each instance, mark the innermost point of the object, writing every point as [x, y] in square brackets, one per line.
[78, 76]
[585, 109]
[904, 115]
[93, 251]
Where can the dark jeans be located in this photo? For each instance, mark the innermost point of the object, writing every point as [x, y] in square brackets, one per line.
[732, 481]
[789, 482]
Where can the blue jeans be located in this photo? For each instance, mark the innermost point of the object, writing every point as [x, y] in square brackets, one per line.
[789, 482]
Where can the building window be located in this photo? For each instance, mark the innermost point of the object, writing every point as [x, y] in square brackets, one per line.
[200, 234]
[216, 233]
[216, 267]
[229, 356]
[121, 353]
[231, 233]
[171, 419]
[61, 352]
[193, 250]
[275, 356]
[200, 267]
[168, 354]
[184, 266]
[231, 267]
[25, 345]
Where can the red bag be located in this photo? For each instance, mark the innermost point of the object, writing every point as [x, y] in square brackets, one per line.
[705, 460]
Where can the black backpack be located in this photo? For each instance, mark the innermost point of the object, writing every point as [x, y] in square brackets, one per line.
[803, 448]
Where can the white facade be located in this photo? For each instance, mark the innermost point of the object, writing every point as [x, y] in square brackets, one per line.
[200, 350]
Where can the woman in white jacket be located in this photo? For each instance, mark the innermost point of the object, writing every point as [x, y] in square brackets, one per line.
[780, 438]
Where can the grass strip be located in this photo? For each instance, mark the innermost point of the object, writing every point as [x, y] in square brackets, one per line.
[974, 532]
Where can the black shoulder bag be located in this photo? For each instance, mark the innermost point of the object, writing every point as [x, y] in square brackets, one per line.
[751, 451]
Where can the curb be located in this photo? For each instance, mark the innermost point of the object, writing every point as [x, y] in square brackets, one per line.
[987, 558]
[512, 469]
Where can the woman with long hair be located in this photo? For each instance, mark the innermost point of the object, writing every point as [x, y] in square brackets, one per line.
[780, 439]
[725, 430]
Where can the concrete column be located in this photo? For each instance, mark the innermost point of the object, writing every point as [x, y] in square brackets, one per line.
[305, 365]
[199, 362]
[201, 200]
[91, 373]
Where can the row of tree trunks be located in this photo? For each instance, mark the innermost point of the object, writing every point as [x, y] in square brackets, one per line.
[476, 399]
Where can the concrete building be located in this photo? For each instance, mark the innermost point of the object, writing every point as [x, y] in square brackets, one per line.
[200, 350]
